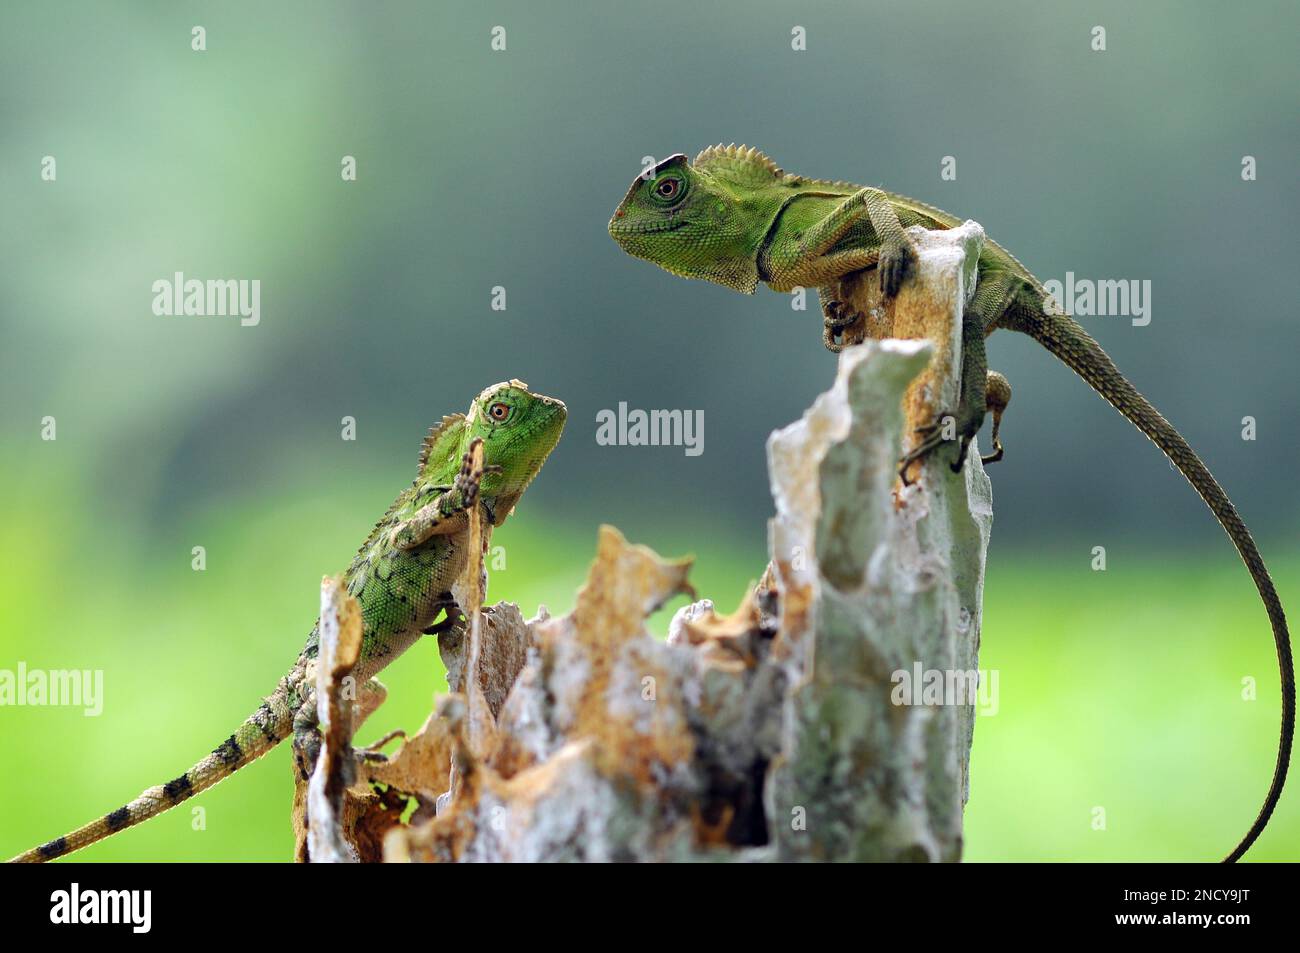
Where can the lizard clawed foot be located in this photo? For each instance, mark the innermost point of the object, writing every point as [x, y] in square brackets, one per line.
[997, 453]
[897, 262]
[945, 428]
[829, 339]
[998, 396]
[963, 448]
[372, 752]
[838, 317]
[920, 452]
[837, 321]
[452, 621]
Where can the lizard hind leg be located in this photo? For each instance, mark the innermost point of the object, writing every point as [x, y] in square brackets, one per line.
[370, 697]
[997, 390]
[306, 728]
[306, 737]
[962, 424]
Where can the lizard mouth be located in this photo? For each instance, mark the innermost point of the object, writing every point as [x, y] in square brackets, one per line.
[619, 227]
[665, 227]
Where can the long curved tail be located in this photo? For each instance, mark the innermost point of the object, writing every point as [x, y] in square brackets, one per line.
[260, 732]
[1064, 337]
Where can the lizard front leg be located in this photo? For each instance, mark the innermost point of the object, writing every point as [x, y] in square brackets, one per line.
[812, 253]
[851, 312]
[837, 318]
[448, 513]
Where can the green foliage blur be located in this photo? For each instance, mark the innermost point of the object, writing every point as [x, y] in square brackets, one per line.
[1119, 690]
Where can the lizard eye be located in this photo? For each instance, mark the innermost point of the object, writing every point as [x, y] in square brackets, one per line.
[499, 412]
[668, 188]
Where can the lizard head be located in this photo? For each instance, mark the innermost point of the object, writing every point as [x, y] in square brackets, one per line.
[519, 431]
[702, 219]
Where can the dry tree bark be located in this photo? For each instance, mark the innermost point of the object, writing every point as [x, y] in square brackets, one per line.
[340, 644]
[784, 731]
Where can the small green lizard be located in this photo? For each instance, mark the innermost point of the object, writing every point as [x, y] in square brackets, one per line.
[732, 217]
[401, 577]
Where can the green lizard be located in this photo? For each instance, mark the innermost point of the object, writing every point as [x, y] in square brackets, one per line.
[732, 217]
[401, 577]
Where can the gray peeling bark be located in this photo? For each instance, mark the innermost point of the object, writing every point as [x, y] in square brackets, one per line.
[828, 718]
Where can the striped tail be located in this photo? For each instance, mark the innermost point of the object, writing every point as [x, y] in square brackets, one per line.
[260, 732]
[1071, 343]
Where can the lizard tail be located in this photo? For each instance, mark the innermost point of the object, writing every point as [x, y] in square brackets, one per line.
[1064, 337]
[259, 733]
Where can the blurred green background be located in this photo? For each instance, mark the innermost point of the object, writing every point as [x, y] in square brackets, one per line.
[478, 169]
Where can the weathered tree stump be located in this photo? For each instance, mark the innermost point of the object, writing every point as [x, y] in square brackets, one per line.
[830, 717]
